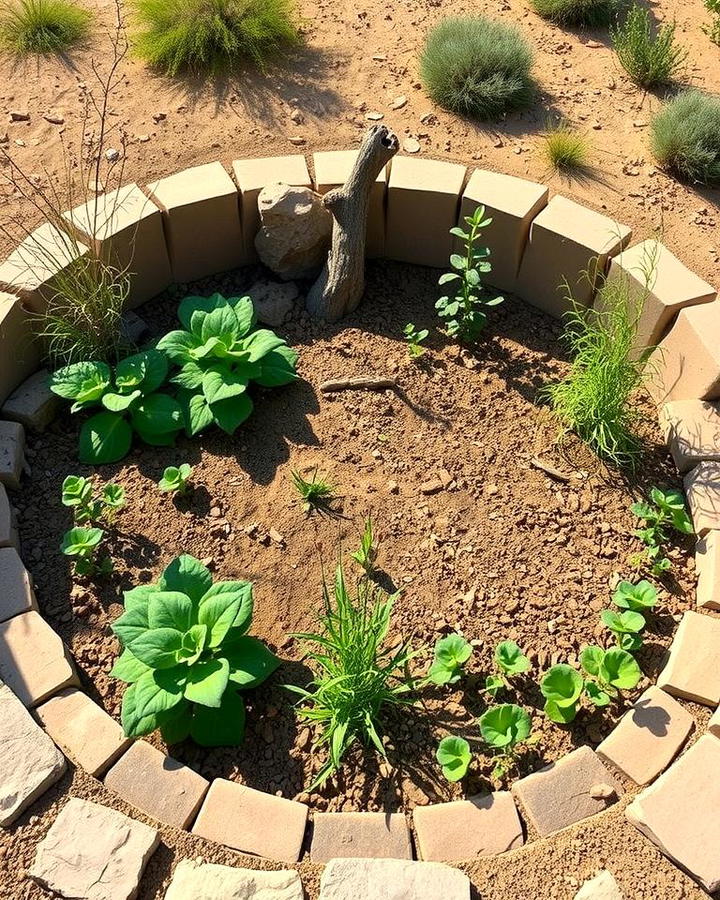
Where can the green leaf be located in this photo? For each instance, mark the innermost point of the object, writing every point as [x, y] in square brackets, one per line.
[130, 373]
[119, 402]
[219, 383]
[128, 668]
[251, 662]
[197, 413]
[207, 682]
[261, 342]
[222, 324]
[157, 414]
[591, 660]
[156, 370]
[454, 756]
[229, 414]
[448, 277]
[637, 597]
[81, 541]
[627, 622]
[510, 658]
[223, 727]
[189, 377]
[104, 438]
[505, 725]
[187, 575]
[135, 725]
[457, 261]
[138, 598]
[191, 306]
[453, 650]
[596, 695]
[170, 609]
[176, 723]
[193, 646]
[620, 669]
[226, 605]
[277, 367]
[157, 647]
[130, 626]
[178, 346]
[245, 314]
[440, 674]
[158, 691]
[84, 382]
[562, 715]
[494, 684]
[562, 684]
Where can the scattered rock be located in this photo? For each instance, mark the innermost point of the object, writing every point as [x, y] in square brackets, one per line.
[431, 486]
[112, 155]
[297, 117]
[17, 115]
[273, 300]
[159, 117]
[399, 102]
[297, 140]
[54, 118]
[602, 887]
[374, 116]
[143, 138]
[410, 145]
[602, 792]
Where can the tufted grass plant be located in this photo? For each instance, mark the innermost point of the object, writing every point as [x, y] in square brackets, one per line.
[578, 12]
[565, 149]
[207, 36]
[43, 26]
[476, 67]
[712, 30]
[650, 56]
[685, 137]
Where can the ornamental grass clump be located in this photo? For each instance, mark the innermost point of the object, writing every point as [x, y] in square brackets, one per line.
[43, 26]
[650, 56]
[565, 149]
[578, 12]
[207, 36]
[685, 137]
[478, 68]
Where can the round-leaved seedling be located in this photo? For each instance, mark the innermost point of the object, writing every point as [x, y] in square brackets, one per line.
[451, 654]
[454, 756]
[562, 687]
[637, 597]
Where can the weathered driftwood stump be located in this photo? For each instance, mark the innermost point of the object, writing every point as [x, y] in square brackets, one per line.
[341, 283]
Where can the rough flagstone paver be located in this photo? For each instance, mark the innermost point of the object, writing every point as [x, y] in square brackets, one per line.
[561, 794]
[29, 761]
[32, 404]
[686, 365]
[92, 852]
[89, 736]
[702, 487]
[602, 887]
[392, 879]
[8, 531]
[17, 332]
[193, 880]
[648, 737]
[252, 821]
[707, 566]
[157, 784]
[692, 431]
[16, 593]
[692, 671]
[480, 826]
[12, 454]
[33, 659]
[360, 835]
[679, 812]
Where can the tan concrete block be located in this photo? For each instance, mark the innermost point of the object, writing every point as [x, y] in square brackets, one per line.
[361, 835]
[464, 829]
[560, 794]
[659, 286]
[679, 813]
[29, 761]
[702, 487]
[686, 364]
[707, 566]
[126, 229]
[568, 250]
[512, 203]
[692, 430]
[252, 821]
[8, 531]
[392, 879]
[422, 206]
[16, 593]
[332, 169]
[692, 670]
[714, 723]
[12, 454]
[84, 731]
[194, 880]
[32, 404]
[251, 176]
[157, 784]
[648, 737]
[20, 351]
[33, 660]
[31, 271]
[201, 215]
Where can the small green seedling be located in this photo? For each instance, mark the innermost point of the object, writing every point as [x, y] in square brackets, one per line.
[626, 626]
[612, 670]
[451, 654]
[454, 756]
[510, 661]
[113, 499]
[666, 510]
[414, 340]
[83, 545]
[367, 554]
[638, 597]
[562, 687]
[503, 727]
[176, 479]
[77, 493]
[316, 495]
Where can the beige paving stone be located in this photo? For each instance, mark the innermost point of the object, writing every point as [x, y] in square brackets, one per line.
[89, 736]
[568, 249]
[464, 829]
[8, 531]
[659, 286]
[360, 835]
[648, 737]
[707, 566]
[12, 454]
[692, 670]
[29, 761]
[32, 269]
[602, 887]
[126, 228]
[702, 487]
[560, 794]
[157, 785]
[512, 203]
[422, 206]
[193, 880]
[692, 430]
[32, 403]
[20, 352]
[679, 813]
[251, 176]
[33, 659]
[714, 723]
[252, 821]
[201, 215]
[686, 364]
[332, 169]
[92, 852]
[392, 879]
[16, 593]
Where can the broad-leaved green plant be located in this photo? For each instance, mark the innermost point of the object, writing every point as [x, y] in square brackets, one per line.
[451, 654]
[83, 545]
[665, 510]
[454, 756]
[509, 661]
[176, 479]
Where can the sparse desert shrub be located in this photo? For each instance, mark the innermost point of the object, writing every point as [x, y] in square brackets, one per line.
[686, 137]
[210, 35]
[650, 56]
[566, 150]
[713, 29]
[43, 26]
[476, 67]
[578, 12]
